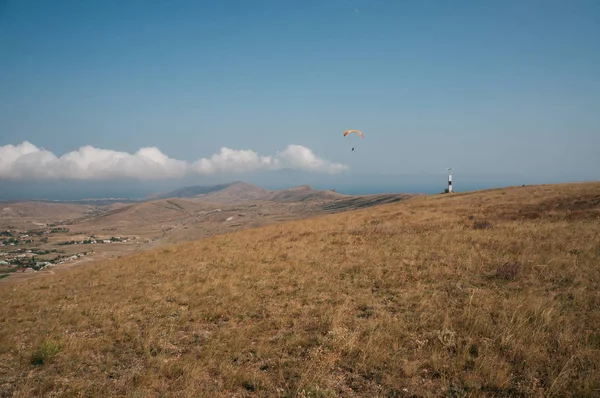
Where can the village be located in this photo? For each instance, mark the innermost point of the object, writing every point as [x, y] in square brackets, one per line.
[36, 250]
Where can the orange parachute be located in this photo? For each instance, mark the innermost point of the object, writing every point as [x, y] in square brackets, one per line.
[354, 131]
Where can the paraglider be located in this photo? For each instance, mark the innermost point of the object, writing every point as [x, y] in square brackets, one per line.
[356, 132]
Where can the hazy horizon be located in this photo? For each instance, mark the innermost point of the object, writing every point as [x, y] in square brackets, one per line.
[136, 190]
[122, 99]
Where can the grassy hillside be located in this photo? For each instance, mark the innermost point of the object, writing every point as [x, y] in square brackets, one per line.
[478, 294]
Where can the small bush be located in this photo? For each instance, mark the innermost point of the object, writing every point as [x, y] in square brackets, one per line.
[45, 351]
[248, 385]
[366, 311]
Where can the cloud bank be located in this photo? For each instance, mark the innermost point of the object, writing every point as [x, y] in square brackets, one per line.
[27, 161]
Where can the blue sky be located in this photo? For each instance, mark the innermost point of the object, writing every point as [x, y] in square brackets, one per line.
[505, 90]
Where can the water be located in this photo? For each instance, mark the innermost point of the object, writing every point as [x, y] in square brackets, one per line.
[366, 185]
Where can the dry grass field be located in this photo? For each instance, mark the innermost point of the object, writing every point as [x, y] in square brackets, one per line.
[493, 293]
[155, 223]
[36, 214]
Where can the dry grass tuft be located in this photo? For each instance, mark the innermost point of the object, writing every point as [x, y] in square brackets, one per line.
[508, 271]
[482, 224]
[403, 300]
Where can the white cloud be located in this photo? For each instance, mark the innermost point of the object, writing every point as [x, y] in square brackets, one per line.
[231, 160]
[26, 161]
[300, 157]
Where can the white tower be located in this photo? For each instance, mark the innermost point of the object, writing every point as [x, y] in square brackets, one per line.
[450, 189]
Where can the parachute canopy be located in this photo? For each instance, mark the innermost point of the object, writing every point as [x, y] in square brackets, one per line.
[354, 131]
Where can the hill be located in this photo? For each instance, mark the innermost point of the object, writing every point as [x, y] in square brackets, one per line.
[78, 231]
[33, 214]
[235, 207]
[493, 293]
[303, 193]
[189, 192]
[142, 217]
[27, 209]
[240, 192]
[236, 193]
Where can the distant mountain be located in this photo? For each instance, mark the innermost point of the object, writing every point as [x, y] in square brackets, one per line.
[241, 192]
[303, 193]
[238, 192]
[190, 192]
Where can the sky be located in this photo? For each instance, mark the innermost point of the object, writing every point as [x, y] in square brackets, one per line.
[127, 94]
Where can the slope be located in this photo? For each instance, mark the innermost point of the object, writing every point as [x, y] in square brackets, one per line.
[189, 192]
[144, 219]
[484, 293]
[241, 193]
[304, 193]
[364, 201]
[236, 193]
[33, 214]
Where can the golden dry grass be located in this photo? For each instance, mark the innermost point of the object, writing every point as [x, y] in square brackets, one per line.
[481, 294]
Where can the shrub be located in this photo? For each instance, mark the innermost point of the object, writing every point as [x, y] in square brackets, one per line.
[45, 351]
